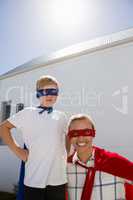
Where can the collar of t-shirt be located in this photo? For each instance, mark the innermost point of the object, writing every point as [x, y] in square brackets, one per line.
[90, 162]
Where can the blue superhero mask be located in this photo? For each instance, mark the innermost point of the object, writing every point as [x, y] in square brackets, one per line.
[46, 92]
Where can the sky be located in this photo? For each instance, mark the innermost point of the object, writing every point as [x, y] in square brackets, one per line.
[32, 28]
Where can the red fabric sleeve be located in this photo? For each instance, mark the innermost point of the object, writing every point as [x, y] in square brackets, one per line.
[114, 164]
[129, 191]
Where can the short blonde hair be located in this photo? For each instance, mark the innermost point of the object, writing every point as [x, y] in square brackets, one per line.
[78, 117]
[46, 80]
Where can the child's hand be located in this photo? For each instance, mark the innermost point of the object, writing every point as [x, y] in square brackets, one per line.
[22, 154]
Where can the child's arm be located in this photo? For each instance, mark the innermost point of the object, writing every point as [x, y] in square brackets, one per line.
[5, 134]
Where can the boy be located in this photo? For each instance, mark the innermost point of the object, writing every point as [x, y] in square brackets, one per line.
[43, 133]
[93, 172]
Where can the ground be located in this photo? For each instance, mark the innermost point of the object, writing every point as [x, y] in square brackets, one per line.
[7, 196]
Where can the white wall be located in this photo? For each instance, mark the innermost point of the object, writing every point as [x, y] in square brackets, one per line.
[99, 84]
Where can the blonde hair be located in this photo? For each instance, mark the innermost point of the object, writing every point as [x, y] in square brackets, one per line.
[78, 117]
[46, 80]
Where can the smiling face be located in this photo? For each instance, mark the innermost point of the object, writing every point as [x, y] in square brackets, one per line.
[49, 100]
[82, 144]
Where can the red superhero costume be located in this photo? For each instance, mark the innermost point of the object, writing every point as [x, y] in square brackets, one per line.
[111, 163]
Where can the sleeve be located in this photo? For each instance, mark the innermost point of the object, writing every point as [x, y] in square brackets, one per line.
[65, 123]
[117, 165]
[64, 131]
[19, 119]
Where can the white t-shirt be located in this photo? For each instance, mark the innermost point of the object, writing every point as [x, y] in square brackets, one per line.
[44, 136]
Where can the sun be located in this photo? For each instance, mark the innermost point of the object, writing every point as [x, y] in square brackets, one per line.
[67, 13]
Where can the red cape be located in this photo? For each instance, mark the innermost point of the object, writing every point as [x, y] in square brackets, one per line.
[111, 163]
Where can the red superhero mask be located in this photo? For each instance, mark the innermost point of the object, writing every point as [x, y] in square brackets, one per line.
[81, 132]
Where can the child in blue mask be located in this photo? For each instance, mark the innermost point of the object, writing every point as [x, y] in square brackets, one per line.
[44, 156]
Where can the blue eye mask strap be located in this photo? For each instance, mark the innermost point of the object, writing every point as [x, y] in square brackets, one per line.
[46, 92]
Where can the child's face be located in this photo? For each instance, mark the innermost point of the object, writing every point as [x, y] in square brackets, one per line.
[81, 143]
[49, 100]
